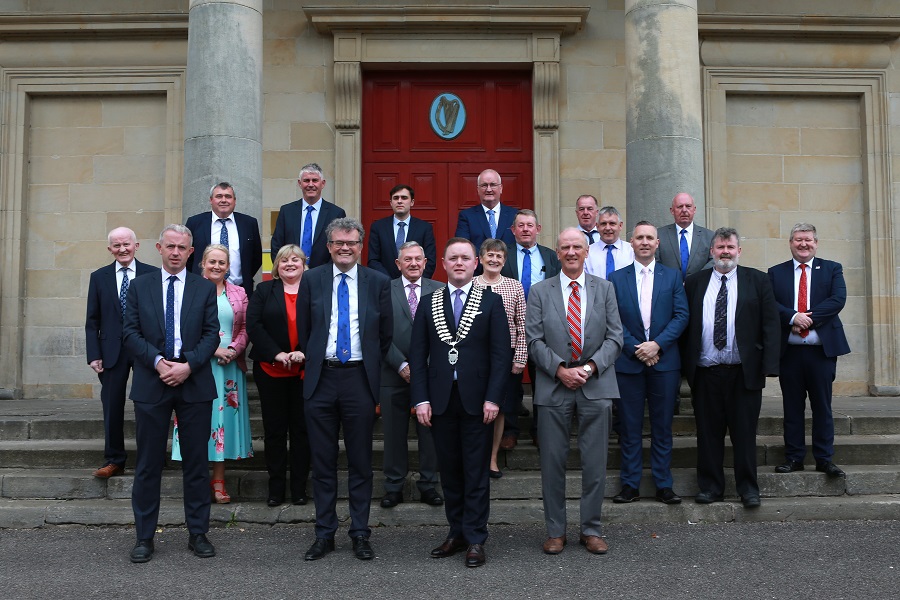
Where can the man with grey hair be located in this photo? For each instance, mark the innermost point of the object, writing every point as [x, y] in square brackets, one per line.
[489, 218]
[345, 324]
[610, 253]
[303, 221]
[684, 245]
[586, 207]
[810, 293]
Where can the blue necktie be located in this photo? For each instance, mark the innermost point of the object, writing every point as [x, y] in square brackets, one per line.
[401, 238]
[170, 318]
[492, 223]
[685, 253]
[610, 263]
[526, 271]
[343, 324]
[306, 242]
[123, 291]
[223, 235]
[457, 306]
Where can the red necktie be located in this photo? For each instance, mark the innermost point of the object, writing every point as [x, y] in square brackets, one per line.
[573, 317]
[802, 293]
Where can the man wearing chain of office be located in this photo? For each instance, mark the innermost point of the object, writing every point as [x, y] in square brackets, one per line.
[457, 377]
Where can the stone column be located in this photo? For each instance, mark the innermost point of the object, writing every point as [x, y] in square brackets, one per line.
[223, 104]
[664, 130]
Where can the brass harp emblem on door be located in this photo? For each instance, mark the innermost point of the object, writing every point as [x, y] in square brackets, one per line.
[447, 115]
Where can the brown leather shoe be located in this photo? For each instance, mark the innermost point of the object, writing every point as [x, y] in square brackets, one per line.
[107, 471]
[450, 547]
[594, 544]
[475, 555]
[508, 442]
[554, 545]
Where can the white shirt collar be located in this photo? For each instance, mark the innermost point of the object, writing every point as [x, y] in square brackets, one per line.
[466, 288]
[181, 275]
[638, 266]
[689, 229]
[565, 281]
[351, 274]
[406, 282]
[215, 217]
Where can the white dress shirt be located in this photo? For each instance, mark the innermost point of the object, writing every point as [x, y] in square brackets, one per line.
[565, 283]
[639, 279]
[689, 235]
[623, 255]
[179, 294]
[538, 269]
[353, 289]
[234, 246]
[728, 355]
[794, 338]
[132, 273]
[315, 218]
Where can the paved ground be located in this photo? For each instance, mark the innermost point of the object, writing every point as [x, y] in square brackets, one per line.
[797, 560]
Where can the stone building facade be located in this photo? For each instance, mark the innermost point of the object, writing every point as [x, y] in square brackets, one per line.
[123, 113]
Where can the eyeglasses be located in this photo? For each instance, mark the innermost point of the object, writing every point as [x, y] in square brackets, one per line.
[488, 186]
[343, 244]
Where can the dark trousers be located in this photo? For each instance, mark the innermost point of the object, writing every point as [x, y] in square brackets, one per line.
[659, 389]
[722, 401]
[281, 401]
[511, 418]
[463, 444]
[113, 381]
[395, 417]
[807, 371]
[152, 421]
[342, 400]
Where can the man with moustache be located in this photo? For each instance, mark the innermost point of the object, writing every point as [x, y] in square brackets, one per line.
[611, 252]
[684, 245]
[387, 235]
[107, 293]
[586, 207]
[462, 358]
[730, 346]
[574, 337]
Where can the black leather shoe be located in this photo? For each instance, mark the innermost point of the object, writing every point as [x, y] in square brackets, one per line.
[667, 496]
[628, 494]
[450, 547]
[273, 501]
[789, 467]
[320, 548]
[300, 500]
[201, 546]
[475, 555]
[431, 498]
[142, 551]
[391, 499]
[751, 501]
[361, 548]
[707, 498]
[830, 469]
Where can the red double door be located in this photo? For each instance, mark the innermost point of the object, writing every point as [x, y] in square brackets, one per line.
[413, 133]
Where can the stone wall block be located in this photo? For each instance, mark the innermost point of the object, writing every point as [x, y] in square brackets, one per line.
[656, 170]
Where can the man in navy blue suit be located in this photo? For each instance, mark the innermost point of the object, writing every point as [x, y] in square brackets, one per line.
[654, 312]
[303, 221]
[103, 341]
[810, 293]
[237, 231]
[388, 234]
[489, 219]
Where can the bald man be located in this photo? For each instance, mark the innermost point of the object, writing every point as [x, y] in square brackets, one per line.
[684, 245]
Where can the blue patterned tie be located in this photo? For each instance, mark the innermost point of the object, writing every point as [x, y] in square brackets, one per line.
[526, 271]
[306, 243]
[170, 318]
[343, 324]
[492, 223]
[457, 306]
[610, 262]
[123, 291]
[223, 235]
[401, 238]
[685, 253]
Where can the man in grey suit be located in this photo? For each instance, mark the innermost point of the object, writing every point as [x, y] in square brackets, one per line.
[684, 245]
[407, 292]
[574, 337]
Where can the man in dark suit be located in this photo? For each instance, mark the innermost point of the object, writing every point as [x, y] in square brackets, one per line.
[586, 211]
[810, 293]
[237, 231]
[654, 313]
[345, 322]
[303, 222]
[528, 262]
[729, 348]
[107, 293]
[462, 358]
[574, 337]
[171, 331]
[407, 292]
[387, 235]
[489, 219]
[684, 245]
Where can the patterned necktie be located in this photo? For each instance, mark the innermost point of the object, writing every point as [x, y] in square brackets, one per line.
[123, 290]
[412, 299]
[401, 238]
[685, 253]
[457, 306]
[223, 235]
[573, 317]
[720, 322]
[306, 242]
[802, 294]
[343, 324]
[170, 318]
[646, 295]
[526, 271]
[591, 236]
[492, 223]
[610, 262]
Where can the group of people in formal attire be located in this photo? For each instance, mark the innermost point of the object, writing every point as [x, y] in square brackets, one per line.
[604, 328]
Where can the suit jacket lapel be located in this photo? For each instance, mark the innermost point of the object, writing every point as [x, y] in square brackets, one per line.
[590, 294]
[362, 297]
[187, 299]
[156, 298]
[323, 220]
[742, 293]
[400, 297]
[557, 301]
[631, 286]
[327, 289]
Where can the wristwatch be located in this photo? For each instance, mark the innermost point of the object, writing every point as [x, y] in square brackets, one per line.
[588, 370]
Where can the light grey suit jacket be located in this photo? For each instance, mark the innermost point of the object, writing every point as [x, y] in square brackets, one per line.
[669, 251]
[403, 322]
[549, 344]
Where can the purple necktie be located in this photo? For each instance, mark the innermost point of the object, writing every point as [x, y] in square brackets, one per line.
[412, 299]
[457, 306]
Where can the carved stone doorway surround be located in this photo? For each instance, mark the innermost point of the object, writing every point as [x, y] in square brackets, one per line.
[469, 37]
